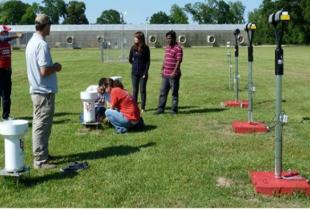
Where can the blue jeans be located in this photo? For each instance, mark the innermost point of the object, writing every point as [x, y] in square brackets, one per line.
[166, 85]
[120, 122]
[136, 82]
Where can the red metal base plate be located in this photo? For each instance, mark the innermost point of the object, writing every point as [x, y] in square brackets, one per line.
[235, 103]
[249, 127]
[266, 184]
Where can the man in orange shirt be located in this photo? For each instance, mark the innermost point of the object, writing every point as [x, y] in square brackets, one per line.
[6, 69]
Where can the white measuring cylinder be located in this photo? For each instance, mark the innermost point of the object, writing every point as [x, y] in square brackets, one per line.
[88, 99]
[117, 78]
[13, 132]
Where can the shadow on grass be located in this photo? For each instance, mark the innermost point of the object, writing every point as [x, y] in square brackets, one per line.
[268, 101]
[122, 150]
[169, 108]
[305, 120]
[146, 128]
[55, 122]
[33, 181]
[62, 121]
[202, 110]
[58, 114]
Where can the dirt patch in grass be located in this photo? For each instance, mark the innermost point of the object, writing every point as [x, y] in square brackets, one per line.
[224, 182]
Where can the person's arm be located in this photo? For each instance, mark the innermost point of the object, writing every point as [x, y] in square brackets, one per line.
[177, 67]
[100, 99]
[4, 39]
[45, 60]
[163, 65]
[46, 71]
[10, 38]
[113, 99]
[131, 56]
[148, 61]
[178, 64]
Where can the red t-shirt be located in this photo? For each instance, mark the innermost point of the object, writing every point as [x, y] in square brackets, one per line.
[120, 99]
[5, 55]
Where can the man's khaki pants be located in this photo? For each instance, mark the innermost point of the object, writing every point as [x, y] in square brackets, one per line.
[43, 112]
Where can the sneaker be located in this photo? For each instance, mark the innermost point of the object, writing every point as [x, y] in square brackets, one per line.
[8, 119]
[173, 112]
[45, 165]
[158, 112]
[121, 130]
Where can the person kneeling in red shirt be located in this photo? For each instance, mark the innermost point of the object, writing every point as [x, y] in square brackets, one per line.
[124, 113]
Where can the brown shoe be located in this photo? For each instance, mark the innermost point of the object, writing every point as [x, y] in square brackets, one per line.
[45, 165]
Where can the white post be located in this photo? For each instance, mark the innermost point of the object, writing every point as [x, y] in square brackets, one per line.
[123, 35]
[146, 30]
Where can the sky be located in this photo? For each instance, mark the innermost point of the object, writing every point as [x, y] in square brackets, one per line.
[136, 11]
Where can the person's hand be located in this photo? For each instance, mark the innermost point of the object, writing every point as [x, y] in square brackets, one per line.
[101, 101]
[19, 34]
[58, 67]
[173, 74]
[144, 76]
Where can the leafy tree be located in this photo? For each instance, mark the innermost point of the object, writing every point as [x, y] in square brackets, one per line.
[110, 17]
[177, 15]
[298, 29]
[305, 4]
[36, 7]
[160, 18]
[55, 9]
[29, 16]
[203, 13]
[216, 11]
[237, 11]
[224, 15]
[12, 11]
[76, 13]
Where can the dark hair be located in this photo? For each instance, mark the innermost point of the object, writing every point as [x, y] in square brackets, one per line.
[108, 82]
[139, 46]
[172, 34]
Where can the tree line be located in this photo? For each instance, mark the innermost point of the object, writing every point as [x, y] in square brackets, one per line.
[17, 12]
[298, 29]
[212, 11]
[202, 12]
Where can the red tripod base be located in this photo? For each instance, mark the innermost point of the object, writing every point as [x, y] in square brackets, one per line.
[249, 127]
[235, 103]
[291, 182]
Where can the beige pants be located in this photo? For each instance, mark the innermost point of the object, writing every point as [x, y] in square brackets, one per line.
[43, 112]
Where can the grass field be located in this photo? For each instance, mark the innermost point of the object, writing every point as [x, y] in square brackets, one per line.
[178, 160]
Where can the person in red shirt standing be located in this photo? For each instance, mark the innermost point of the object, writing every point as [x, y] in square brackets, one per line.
[171, 74]
[124, 113]
[6, 69]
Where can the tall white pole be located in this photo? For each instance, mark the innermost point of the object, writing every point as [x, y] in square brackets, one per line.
[146, 30]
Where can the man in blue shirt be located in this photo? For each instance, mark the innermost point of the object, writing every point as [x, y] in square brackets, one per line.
[42, 79]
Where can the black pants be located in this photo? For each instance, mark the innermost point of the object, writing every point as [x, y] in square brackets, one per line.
[166, 85]
[5, 91]
[136, 82]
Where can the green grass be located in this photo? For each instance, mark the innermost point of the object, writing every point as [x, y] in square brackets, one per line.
[178, 160]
